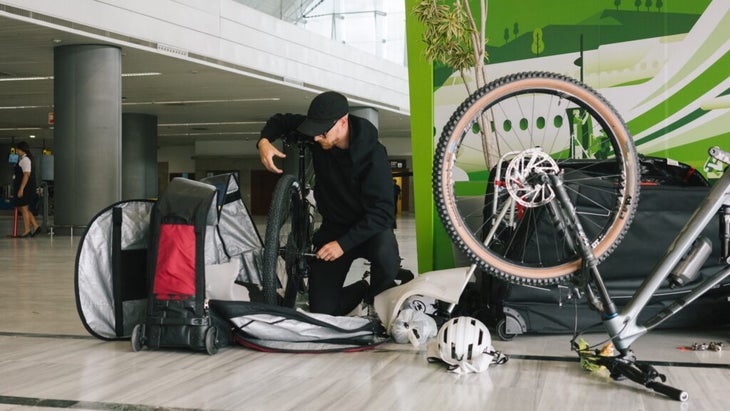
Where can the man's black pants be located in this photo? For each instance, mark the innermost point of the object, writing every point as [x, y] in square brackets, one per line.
[326, 278]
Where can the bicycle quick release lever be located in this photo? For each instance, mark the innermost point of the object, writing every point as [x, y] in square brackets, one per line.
[718, 154]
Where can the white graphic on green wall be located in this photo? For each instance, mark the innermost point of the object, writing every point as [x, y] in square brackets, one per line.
[662, 65]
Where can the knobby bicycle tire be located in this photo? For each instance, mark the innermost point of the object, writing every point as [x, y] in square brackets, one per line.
[534, 118]
[282, 244]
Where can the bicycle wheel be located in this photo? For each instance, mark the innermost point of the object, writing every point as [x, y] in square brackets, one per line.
[286, 241]
[535, 124]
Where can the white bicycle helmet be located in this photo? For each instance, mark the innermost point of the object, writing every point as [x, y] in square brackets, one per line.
[412, 326]
[464, 343]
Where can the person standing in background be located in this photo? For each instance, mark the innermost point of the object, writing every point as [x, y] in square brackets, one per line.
[24, 189]
[396, 196]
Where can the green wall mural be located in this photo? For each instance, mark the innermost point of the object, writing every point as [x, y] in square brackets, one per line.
[662, 64]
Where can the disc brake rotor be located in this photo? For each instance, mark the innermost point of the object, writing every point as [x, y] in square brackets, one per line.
[525, 180]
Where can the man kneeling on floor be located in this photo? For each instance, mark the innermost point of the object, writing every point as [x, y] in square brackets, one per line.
[353, 192]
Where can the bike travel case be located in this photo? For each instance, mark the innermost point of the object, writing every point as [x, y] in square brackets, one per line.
[117, 253]
[197, 229]
[111, 270]
[670, 193]
[272, 328]
[177, 310]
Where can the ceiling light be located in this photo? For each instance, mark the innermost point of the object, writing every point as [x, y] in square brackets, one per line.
[34, 78]
[229, 133]
[26, 78]
[236, 100]
[21, 107]
[32, 136]
[222, 123]
[152, 73]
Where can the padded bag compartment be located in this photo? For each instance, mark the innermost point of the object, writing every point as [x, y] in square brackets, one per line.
[670, 193]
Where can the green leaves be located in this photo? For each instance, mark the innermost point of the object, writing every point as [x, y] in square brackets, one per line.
[448, 34]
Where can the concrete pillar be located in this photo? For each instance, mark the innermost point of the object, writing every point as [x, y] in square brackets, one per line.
[367, 113]
[139, 156]
[87, 131]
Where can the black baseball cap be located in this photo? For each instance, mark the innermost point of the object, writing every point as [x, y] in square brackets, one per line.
[323, 112]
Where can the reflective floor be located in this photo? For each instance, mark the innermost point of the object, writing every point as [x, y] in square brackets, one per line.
[49, 361]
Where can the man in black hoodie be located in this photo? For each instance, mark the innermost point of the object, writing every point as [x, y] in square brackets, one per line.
[354, 194]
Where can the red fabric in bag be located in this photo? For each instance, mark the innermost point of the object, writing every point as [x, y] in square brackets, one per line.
[175, 272]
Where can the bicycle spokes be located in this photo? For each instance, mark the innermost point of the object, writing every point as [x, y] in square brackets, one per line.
[524, 178]
[499, 146]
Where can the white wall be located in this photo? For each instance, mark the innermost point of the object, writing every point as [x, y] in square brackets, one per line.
[397, 147]
[226, 31]
[179, 158]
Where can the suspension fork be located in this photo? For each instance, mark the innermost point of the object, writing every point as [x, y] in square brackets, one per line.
[567, 220]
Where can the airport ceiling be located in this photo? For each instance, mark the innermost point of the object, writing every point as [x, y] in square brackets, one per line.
[192, 101]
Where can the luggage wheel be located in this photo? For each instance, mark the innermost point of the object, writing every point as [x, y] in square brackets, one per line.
[137, 338]
[211, 340]
[512, 324]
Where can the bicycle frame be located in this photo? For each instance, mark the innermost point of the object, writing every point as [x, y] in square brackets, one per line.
[622, 326]
[301, 222]
[301, 218]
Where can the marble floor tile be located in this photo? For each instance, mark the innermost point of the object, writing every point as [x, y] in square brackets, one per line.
[49, 361]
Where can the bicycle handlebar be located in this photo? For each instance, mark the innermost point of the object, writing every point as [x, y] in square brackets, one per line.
[296, 138]
[643, 375]
[670, 392]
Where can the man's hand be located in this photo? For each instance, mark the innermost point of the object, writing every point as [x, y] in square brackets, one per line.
[330, 251]
[267, 152]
